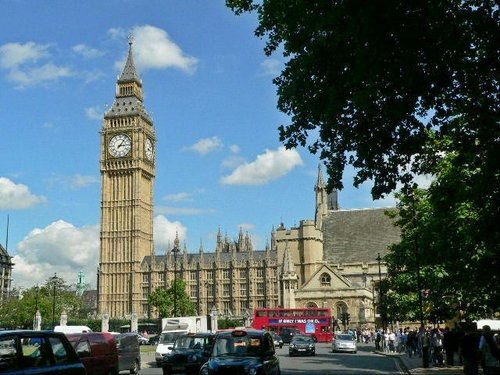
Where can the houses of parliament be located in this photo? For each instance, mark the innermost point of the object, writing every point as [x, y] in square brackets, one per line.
[331, 260]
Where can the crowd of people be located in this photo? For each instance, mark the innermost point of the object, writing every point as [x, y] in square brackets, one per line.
[472, 348]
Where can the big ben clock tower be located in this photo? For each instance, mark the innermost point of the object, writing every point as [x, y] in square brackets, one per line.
[127, 173]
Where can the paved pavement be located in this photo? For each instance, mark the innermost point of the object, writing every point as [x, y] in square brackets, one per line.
[414, 365]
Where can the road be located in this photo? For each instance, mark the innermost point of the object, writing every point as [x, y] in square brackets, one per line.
[364, 362]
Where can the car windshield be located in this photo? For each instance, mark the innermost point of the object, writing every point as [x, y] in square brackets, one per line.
[250, 346]
[344, 337]
[302, 339]
[169, 337]
[189, 342]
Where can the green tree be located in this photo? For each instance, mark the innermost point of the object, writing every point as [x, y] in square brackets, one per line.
[378, 84]
[459, 270]
[396, 89]
[19, 310]
[164, 300]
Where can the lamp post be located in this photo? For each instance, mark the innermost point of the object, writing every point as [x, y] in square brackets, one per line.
[425, 353]
[54, 279]
[175, 251]
[380, 293]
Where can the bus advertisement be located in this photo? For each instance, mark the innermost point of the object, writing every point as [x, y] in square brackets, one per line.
[317, 322]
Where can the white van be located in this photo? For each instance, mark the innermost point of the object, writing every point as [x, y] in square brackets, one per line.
[72, 329]
[166, 342]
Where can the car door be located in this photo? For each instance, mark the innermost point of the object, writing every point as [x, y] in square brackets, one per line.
[270, 361]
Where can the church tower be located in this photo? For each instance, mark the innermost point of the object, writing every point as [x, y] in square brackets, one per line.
[127, 175]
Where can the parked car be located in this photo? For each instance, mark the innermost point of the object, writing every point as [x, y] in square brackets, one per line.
[97, 350]
[188, 354]
[278, 341]
[38, 352]
[166, 343]
[242, 351]
[343, 342]
[287, 333]
[302, 345]
[129, 353]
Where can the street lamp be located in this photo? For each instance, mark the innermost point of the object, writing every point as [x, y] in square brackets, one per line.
[54, 279]
[380, 293]
[425, 353]
[175, 251]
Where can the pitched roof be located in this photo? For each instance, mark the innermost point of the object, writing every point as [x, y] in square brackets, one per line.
[353, 236]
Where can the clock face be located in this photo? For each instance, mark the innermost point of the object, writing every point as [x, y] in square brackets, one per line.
[120, 145]
[148, 149]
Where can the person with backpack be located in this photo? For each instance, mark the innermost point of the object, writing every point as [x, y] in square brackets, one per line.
[489, 352]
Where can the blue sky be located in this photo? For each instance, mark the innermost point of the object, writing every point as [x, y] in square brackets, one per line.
[208, 87]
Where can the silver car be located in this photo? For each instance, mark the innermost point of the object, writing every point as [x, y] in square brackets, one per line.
[344, 343]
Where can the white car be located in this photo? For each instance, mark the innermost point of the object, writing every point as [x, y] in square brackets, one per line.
[166, 343]
[344, 342]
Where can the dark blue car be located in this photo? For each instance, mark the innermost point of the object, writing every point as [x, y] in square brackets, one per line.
[242, 351]
[38, 352]
[189, 353]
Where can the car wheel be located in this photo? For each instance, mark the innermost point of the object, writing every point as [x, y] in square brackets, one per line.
[281, 345]
[136, 368]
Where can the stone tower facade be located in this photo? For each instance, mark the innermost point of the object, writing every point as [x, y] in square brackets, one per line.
[127, 175]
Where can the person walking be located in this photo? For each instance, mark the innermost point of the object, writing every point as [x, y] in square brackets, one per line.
[469, 350]
[489, 352]
[450, 345]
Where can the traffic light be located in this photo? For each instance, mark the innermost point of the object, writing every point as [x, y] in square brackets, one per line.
[345, 317]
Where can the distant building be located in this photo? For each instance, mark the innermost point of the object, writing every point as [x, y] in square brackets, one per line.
[329, 261]
[6, 266]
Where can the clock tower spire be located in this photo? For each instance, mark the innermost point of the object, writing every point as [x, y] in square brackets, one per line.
[127, 166]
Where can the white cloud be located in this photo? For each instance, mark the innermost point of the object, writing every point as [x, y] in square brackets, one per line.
[270, 165]
[271, 67]
[87, 51]
[60, 247]
[14, 54]
[20, 60]
[17, 196]
[206, 145]
[178, 197]
[73, 182]
[94, 113]
[79, 181]
[153, 49]
[165, 232]
[234, 149]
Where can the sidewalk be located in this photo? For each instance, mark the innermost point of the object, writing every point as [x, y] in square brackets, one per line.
[414, 365]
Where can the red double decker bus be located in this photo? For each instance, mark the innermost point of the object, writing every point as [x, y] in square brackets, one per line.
[310, 320]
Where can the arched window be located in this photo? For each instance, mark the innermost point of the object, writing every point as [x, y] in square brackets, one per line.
[326, 279]
[311, 304]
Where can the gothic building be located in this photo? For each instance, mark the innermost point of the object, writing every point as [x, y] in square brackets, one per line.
[331, 261]
[5, 273]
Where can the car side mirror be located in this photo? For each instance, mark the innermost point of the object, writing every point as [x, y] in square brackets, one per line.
[170, 347]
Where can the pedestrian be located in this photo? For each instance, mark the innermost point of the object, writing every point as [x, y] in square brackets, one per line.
[411, 343]
[469, 350]
[489, 352]
[378, 339]
[450, 345]
[437, 347]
